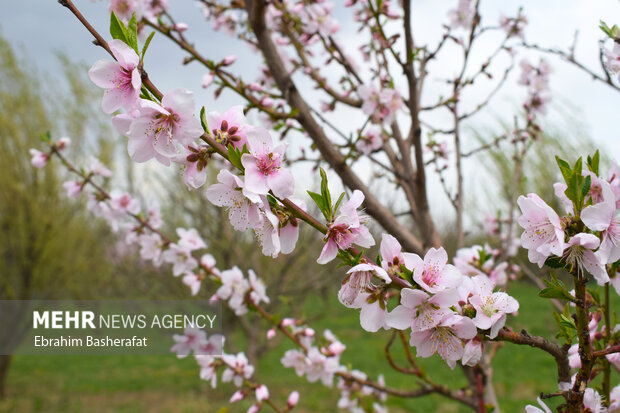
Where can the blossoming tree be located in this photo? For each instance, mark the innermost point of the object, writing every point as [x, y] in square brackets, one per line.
[454, 308]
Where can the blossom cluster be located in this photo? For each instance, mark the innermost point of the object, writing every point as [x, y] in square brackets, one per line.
[595, 244]
[536, 79]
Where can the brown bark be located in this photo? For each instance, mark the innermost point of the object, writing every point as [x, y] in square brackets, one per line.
[256, 11]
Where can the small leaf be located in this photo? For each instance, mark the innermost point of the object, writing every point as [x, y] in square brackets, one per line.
[117, 28]
[234, 156]
[203, 120]
[132, 33]
[146, 45]
[320, 202]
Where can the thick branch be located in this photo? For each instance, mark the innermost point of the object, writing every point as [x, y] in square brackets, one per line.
[559, 353]
[256, 11]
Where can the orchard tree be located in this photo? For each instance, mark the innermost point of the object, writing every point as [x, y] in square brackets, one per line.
[457, 309]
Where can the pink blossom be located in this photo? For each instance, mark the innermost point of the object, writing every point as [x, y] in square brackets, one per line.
[193, 281]
[612, 59]
[124, 203]
[491, 308]
[230, 127]
[605, 217]
[358, 280]
[39, 159]
[262, 393]
[243, 204]
[180, 258]
[208, 368]
[347, 229]
[392, 256]
[158, 129]
[419, 311]
[370, 141]
[120, 79]
[271, 333]
[446, 339]
[543, 233]
[373, 311]
[295, 359]
[151, 247]
[234, 287]
[124, 8]
[73, 188]
[579, 253]
[238, 369]
[434, 274]
[267, 233]
[264, 169]
[207, 262]
[258, 292]
[370, 98]
[320, 367]
[593, 402]
[473, 352]
[210, 347]
[190, 239]
[461, 16]
[188, 341]
[513, 26]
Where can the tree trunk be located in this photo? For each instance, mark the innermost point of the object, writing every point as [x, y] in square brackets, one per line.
[5, 361]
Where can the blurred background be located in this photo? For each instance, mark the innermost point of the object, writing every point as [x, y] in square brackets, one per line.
[51, 247]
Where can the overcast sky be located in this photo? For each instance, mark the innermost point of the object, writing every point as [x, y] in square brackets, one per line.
[41, 27]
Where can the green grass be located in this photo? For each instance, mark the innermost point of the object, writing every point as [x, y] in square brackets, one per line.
[165, 384]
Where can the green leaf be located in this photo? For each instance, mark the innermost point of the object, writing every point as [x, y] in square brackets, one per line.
[555, 289]
[339, 201]
[146, 45]
[325, 189]
[234, 156]
[46, 137]
[567, 322]
[586, 187]
[593, 162]
[203, 120]
[117, 28]
[320, 202]
[132, 33]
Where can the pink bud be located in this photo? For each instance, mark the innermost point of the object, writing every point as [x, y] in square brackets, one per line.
[287, 322]
[207, 80]
[309, 332]
[271, 333]
[180, 27]
[63, 143]
[238, 396]
[262, 393]
[293, 398]
[254, 408]
[336, 348]
[39, 159]
[229, 60]
[266, 101]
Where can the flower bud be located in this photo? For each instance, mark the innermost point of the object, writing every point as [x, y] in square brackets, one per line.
[293, 398]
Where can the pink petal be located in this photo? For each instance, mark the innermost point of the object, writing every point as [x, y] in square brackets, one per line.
[104, 73]
[124, 54]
